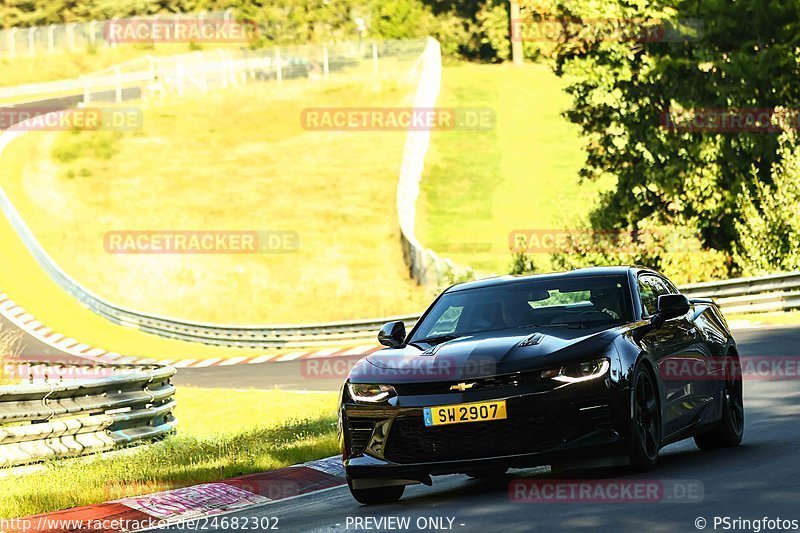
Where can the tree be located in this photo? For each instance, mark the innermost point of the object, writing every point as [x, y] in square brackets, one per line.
[770, 218]
[743, 55]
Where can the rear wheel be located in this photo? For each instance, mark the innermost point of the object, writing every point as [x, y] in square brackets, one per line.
[377, 495]
[645, 439]
[730, 429]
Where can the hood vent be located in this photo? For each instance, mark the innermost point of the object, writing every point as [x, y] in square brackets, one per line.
[532, 340]
[433, 349]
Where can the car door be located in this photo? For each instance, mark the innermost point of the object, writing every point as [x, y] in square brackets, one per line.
[679, 360]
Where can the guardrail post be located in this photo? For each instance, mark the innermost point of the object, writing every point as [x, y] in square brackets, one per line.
[278, 65]
[180, 75]
[112, 43]
[118, 78]
[325, 69]
[31, 40]
[224, 68]
[177, 24]
[93, 32]
[12, 42]
[51, 38]
[86, 94]
[375, 58]
[70, 30]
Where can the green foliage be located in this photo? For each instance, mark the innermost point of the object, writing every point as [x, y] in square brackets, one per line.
[769, 229]
[401, 19]
[675, 251]
[521, 263]
[743, 57]
[97, 145]
[475, 29]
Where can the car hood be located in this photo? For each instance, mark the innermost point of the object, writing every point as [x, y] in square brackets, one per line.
[484, 355]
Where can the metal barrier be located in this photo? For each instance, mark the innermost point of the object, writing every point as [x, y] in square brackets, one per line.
[425, 266]
[46, 419]
[776, 292]
[765, 293]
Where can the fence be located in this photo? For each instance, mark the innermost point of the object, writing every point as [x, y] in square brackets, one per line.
[37, 40]
[152, 77]
[47, 419]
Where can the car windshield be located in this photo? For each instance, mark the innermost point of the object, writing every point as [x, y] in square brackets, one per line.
[575, 302]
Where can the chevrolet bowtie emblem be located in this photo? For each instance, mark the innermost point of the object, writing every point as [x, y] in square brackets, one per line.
[462, 386]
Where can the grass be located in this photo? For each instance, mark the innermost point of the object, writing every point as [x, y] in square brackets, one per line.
[523, 174]
[256, 168]
[245, 432]
[69, 65]
[786, 318]
[235, 160]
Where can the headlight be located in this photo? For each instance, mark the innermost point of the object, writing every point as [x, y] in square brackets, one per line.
[370, 393]
[575, 373]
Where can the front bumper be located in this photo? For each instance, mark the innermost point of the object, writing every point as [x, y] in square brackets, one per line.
[579, 423]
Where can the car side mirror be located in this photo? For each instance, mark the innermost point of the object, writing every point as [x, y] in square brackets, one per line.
[671, 306]
[392, 333]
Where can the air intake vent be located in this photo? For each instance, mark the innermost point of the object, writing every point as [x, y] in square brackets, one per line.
[533, 340]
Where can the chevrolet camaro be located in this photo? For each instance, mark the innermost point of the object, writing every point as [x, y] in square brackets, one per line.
[598, 367]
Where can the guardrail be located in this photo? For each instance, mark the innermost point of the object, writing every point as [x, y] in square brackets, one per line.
[425, 266]
[46, 419]
[776, 292]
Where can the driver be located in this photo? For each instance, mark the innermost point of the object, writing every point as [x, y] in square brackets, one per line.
[606, 300]
[515, 313]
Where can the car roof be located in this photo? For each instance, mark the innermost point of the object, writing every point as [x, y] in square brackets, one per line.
[577, 273]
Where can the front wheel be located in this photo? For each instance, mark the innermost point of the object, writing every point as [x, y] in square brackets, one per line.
[730, 429]
[645, 437]
[377, 495]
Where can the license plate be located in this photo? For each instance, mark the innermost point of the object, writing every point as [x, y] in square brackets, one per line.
[465, 412]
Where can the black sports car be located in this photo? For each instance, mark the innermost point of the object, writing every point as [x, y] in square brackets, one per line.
[594, 367]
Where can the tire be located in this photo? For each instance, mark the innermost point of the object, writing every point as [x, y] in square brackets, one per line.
[730, 429]
[377, 495]
[487, 473]
[645, 434]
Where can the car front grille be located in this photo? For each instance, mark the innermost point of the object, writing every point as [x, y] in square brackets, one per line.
[411, 442]
[439, 387]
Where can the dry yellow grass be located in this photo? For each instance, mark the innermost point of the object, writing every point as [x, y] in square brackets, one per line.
[67, 65]
[233, 160]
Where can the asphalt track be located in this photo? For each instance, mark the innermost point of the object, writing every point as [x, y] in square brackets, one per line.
[760, 478]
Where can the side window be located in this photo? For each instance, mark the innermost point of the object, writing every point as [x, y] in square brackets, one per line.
[447, 322]
[671, 288]
[650, 288]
